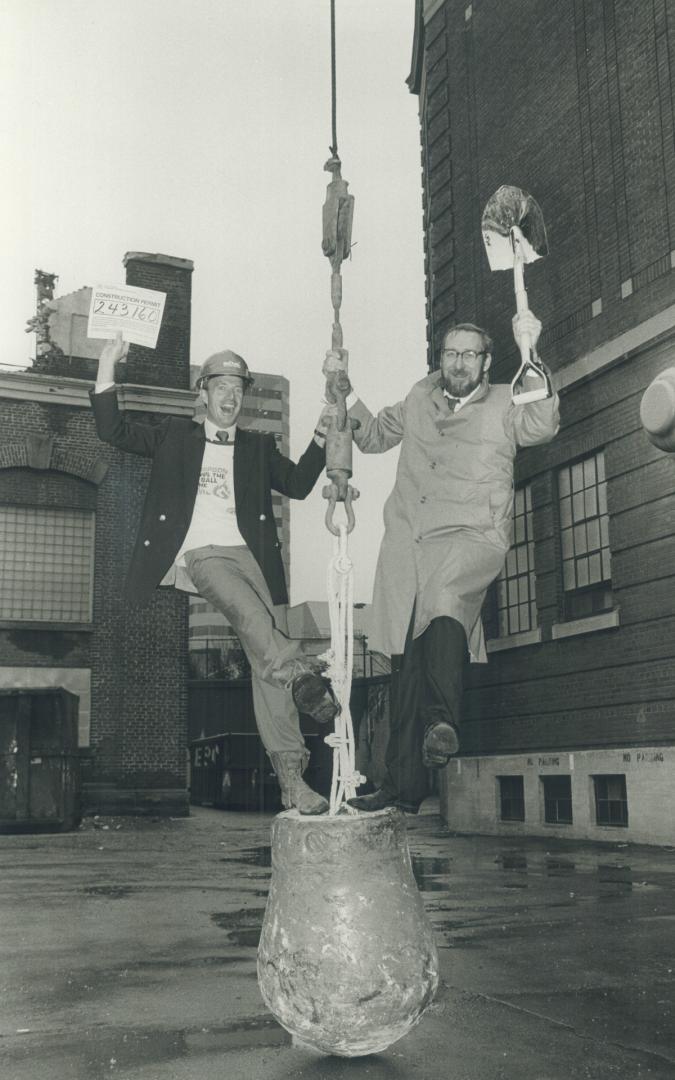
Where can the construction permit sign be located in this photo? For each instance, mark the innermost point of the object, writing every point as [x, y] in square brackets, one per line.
[134, 313]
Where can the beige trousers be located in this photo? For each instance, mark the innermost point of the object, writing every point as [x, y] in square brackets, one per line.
[231, 580]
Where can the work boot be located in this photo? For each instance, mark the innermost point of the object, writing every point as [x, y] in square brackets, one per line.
[289, 766]
[440, 743]
[380, 800]
[314, 696]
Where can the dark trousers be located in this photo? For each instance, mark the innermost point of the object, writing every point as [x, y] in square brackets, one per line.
[427, 684]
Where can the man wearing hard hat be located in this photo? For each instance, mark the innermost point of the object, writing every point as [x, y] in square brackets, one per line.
[207, 527]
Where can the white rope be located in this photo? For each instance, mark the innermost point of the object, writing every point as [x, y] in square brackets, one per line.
[340, 660]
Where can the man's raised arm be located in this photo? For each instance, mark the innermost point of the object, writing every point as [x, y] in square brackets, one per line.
[374, 434]
[536, 421]
[113, 426]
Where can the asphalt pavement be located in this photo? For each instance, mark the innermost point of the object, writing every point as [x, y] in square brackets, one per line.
[128, 951]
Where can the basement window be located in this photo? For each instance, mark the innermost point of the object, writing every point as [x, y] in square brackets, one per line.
[511, 798]
[611, 800]
[557, 799]
[46, 564]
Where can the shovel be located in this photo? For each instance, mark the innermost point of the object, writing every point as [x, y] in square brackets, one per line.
[514, 234]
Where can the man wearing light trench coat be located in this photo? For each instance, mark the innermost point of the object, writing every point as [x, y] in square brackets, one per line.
[448, 524]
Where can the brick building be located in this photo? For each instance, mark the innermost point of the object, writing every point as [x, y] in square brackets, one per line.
[69, 508]
[570, 728]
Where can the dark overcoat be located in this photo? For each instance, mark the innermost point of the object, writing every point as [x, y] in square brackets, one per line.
[176, 445]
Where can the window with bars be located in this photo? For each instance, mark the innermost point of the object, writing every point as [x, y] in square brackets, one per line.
[516, 597]
[584, 536]
[557, 799]
[46, 564]
[611, 800]
[511, 798]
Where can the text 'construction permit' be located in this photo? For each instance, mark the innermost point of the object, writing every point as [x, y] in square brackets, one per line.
[134, 313]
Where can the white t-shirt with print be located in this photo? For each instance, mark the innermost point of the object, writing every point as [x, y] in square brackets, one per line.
[214, 517]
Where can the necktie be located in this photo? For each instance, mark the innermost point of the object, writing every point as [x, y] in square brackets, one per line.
[453, 402]
[223, 436]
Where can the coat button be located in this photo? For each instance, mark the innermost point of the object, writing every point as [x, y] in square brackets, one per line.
[432, 465]
[162, 517]
[146, 543]
[423, 499]
[262, 517]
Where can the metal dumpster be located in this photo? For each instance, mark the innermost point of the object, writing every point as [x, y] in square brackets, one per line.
[228, 765]
[232, 771]
[39, 774]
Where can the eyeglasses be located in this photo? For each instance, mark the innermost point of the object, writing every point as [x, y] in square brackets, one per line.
[468, 355]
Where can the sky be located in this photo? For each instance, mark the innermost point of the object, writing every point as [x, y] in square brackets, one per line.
[199, 129]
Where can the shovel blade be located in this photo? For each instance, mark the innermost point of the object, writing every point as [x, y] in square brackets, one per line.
[512, 217]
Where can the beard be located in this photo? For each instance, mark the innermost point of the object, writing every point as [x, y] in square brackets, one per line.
[461, 386]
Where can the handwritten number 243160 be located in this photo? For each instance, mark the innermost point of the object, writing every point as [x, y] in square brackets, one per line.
[125, 311]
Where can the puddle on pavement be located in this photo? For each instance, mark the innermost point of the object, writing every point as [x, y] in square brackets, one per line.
[111, 1052]
[614, 880]
[430, 873]
[110, 892]
[243, 927]
[82, 983]
[512, 860]
[246, 939]
[611, 879]
[558, 867]
[261, 856]
[448, 939]
[143, 966]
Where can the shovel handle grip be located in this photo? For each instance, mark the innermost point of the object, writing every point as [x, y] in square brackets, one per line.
[519, 278]
[524, 344]
[520, 394]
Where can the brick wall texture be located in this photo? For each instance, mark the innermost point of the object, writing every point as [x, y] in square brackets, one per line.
[169, 363]
[137, 656]
[574, 103]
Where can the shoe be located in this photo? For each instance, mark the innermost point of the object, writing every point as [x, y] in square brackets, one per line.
[314, 696]
[300, 665]
[440, 743]
[380, 800]
[289, 766]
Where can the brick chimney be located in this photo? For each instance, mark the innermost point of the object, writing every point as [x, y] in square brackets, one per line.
[169, 363]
